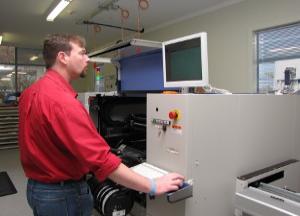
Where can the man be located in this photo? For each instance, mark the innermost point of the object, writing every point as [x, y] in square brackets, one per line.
[59, 143]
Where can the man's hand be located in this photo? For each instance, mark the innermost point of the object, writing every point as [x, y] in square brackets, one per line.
[128, 178]
[168, 182]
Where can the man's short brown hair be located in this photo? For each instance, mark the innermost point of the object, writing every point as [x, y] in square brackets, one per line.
[55, 43]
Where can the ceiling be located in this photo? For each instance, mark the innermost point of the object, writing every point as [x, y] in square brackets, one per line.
[23, 23]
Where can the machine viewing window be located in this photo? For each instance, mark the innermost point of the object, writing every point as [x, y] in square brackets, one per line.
[185, 61]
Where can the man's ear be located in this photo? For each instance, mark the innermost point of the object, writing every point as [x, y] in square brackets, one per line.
[62, 58]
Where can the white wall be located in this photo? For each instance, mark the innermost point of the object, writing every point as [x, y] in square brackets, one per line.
[230, 38]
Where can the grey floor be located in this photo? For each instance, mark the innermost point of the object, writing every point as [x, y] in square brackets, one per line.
[16, 204]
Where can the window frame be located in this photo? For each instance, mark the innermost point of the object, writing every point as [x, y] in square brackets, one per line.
[257, 59]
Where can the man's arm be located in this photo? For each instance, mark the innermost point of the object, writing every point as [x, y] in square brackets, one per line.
[128, 178]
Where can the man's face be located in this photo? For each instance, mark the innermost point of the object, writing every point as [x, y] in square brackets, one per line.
[78, 61]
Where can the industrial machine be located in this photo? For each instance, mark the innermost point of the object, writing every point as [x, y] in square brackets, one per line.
[271, 191]
[212, 139]
[121, 121]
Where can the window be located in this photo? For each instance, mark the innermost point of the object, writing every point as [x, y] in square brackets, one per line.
[29, 66]
[279, 43]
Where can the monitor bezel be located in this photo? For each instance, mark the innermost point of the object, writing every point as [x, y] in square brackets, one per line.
[204, 62]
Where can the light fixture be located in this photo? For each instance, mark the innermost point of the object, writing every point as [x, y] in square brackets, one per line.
[1, 37]
[5, 79]
[100, 60]
[124, 13]
[58, 9]
[22, 73]
[6, 68]
[143, 4]
[33, 58]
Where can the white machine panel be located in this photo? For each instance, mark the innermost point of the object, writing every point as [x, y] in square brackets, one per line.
[214, 139]
[170, 142]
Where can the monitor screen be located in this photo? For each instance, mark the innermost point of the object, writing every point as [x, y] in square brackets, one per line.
[185, 61]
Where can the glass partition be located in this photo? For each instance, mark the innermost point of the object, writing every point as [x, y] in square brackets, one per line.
[19, 68]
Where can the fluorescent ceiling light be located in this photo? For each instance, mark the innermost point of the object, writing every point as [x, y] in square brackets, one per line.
[6, 68]
[58, 9]
[100, 60]
[5, 79]
[33, 58]
[1, 37]
[19, 73]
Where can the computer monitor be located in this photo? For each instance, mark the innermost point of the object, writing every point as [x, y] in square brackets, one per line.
[185, 61]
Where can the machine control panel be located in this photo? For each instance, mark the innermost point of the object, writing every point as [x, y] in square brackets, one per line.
[161, 122]
[175, 114]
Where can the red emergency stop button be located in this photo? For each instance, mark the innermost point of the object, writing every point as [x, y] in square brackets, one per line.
[173, 115]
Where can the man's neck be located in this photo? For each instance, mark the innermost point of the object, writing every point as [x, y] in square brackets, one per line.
[63, 72]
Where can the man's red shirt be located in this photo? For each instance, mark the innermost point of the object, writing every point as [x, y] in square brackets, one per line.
[58, 140]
